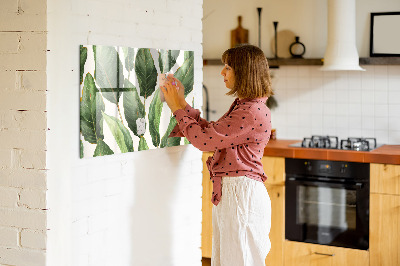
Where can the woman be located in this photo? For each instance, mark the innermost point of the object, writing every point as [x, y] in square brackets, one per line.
[242, 208]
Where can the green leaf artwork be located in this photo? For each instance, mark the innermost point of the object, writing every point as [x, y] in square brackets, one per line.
[120, 109]
[91, 109]
[102, 149]
[120, 133]
[173, 141]
[108, 72]
[154, 118]
[83, 57]
[146, 72]
[185, 73]
[81, 149]
[143, 144]
[133, 107]
[129, 53]
[167, 59]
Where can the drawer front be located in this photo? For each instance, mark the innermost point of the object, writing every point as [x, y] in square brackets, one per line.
[297, 253]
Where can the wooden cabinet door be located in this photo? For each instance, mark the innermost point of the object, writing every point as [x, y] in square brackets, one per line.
[206, 226]
[274, 168]
[384, 236]
[277, 233]
[385, 178]
[304, 254]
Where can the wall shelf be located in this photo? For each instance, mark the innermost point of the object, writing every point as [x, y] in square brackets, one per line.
[274, 63]
[380, 61]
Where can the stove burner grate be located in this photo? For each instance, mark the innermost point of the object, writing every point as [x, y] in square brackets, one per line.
[332, 142]
[327, 142]
[358, 144]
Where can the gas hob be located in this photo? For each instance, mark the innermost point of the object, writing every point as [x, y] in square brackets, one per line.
[332, 142]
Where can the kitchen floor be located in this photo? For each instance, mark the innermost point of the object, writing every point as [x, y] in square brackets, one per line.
[206, 261]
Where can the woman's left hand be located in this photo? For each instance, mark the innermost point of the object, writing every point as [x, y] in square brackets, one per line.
[170, 90]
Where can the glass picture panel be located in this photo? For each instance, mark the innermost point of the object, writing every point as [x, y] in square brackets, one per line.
[120, 105]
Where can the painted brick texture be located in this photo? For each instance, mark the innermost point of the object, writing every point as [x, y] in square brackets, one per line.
[23, 126]
[110, 196]
[9, 237]
[140, 208]
[33, 239]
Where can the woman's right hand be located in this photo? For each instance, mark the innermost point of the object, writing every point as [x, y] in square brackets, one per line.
[181, 91]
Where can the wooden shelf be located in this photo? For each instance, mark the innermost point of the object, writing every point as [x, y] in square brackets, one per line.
[380, 61]
[274, 63]
[212, 62]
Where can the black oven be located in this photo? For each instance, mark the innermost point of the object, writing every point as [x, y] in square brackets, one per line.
[327, 202]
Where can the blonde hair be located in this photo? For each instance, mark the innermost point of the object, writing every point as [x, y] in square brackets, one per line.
[250, 66]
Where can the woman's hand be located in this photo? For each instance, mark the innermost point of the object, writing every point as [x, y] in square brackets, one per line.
[181, 91]
[174, 93]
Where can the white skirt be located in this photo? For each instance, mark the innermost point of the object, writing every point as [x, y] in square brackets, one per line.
[241, 223]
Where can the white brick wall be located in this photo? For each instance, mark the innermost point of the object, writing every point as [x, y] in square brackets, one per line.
[23, 132]
[9, 197]
[141, 208]
[9, 237]
[33, 239]
[23, 178]
[102, 206]
[24, 256]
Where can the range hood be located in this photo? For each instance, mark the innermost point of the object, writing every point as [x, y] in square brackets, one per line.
[341, 51]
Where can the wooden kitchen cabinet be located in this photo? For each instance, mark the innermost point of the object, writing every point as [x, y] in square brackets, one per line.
[305, 254]
[277, 233]
[274, 168]
[384, 236]
[385, 215]
[206, 225]
[385, 178]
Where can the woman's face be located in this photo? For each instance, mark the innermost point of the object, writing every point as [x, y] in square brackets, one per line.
[229, 76]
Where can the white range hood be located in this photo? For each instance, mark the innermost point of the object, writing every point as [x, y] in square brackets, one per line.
[341, 51]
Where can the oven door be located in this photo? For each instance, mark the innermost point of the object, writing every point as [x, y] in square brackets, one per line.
[327, 213]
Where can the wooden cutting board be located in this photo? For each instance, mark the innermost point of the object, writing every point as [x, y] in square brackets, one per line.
[239, 35]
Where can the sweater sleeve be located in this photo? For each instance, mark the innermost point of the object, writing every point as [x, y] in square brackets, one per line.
[229, 131]
[193, 113]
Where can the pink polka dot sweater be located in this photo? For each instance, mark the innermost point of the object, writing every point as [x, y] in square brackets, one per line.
[238, 139]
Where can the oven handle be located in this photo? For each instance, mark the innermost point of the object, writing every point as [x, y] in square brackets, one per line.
[357, 185]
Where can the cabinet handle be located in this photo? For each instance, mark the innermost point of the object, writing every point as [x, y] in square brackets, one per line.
[324, 254]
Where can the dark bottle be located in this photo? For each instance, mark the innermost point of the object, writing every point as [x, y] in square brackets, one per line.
[297, 49]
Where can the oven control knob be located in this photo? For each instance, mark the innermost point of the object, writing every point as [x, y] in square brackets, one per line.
[308, 166]
[343, 168]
